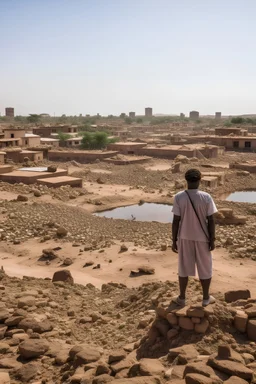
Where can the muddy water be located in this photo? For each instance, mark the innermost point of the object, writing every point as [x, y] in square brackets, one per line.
[242, 197]
[145, 212]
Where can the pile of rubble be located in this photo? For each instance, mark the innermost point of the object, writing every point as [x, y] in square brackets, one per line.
[60, 332]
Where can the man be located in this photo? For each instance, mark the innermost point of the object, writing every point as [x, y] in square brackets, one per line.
[193, 235]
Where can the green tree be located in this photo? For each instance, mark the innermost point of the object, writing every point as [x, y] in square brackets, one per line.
[139, 120]
[95, 140]
[237, 120]
[228, 123]
[62, 136]
[123, 115]
[33, 118]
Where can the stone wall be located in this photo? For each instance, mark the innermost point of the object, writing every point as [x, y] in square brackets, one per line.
[79, 156]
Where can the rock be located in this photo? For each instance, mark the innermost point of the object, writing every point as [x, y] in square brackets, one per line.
[242, 294]
[195, 378]
[51, 168]
[100, 181]
[61, 232]
[22, 198]
[102, 379]
[195, 312]
[37, 193]
[199, 367]
[185, 353]
[235, 380]
[29, 349]
[88, 264]
[240, 322]
[224, 352]
[202, 327]
[142, 270]
[251, 329]
[116, 356]
[27, 372]
[186, 323]
[87, 356]
[123, 248]
[63, 275]
[151, 367]
[13, 321]
[4, 348]
[49, 254]
[27, 301]
[35, 326]
[68, 261]
[172, 318]
[3, 330]
[172, 333]
[163, 247]
[248, 358]
[231, 368]
[138, 380]
[10, 363]
[251, 312]
[5, 378]
[102, 368]
[4, 314]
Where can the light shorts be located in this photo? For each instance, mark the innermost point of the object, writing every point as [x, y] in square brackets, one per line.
[194, 254]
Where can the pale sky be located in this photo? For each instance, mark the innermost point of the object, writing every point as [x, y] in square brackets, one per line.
[113, 56]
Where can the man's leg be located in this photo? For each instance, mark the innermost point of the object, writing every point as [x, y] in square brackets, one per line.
[183, 282]
[205, 287]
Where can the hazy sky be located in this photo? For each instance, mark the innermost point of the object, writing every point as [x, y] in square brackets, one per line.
[113, 56]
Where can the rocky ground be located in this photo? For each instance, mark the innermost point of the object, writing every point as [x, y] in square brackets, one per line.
[60, 332]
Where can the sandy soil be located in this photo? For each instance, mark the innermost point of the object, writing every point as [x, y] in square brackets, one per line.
[19, 260]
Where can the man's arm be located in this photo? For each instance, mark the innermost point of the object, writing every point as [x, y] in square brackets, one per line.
[211, 230]
[175, 230]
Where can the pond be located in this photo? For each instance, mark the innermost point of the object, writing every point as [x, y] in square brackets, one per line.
[145, 212]
[242, 197]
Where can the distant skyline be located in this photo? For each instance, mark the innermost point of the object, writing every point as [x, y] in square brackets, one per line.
[114, 56]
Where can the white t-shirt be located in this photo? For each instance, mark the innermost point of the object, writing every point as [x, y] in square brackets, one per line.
[190, 228]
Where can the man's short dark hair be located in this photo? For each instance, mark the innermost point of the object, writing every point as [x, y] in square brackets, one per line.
[193, 175]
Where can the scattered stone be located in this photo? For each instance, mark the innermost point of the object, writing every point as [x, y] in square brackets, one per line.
[68, 261]
[22, 198]
[242, 294]
[123, 248]
[61, 232]
[29, 349]
[63, 275]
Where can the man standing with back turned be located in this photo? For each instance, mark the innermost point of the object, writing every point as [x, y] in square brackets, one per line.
[193, 235]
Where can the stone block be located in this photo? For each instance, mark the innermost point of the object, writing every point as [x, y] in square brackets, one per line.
[251, 329]
[251, 312]
[224, 352]
[242, 294]
[202, 327]
[186, 323]
[240, 322]
[196, 378]
[195, 312]
[172, 318]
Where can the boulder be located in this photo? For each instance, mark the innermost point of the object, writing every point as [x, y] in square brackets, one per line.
[242, 294]
[151, 367]
[87, 356]
[31, 348]
[186, 323]
[27, 301]
[22, 198]
[63, 275]
[251, 312]
[199, 367]
[236, 380]
[27, 372]
[68, 261]
[224, 352]
[4, 314]
[231, 368]
[116, 356]
[251, 329]
[202, 327]
[49, 254]
[3, 330]
[102, 379]
[5, 378]
[185, 353]
[240, 322]
[195, 378]
[51, 168]
[36, 326]
[61, 232]
[138, 380]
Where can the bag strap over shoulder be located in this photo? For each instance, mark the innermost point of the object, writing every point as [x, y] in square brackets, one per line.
[206, 234]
